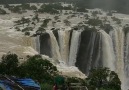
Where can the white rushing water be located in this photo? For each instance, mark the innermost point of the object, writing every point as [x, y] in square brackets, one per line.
[13, 41]
[119, 35]
[126, 59]
[64, 37]
[118, 38]
[107, 51]
[54, 46]
[75, 41]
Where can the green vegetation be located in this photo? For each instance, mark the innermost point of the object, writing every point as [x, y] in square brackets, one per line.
[20, 8]
[17, 28]
[33, 7]
[45, 22]
[67, 22]
[81, 9]
[69, 7]
[40, 31]
[9, 64]
[118, 5]
[50, 8]
[2, 11]
[22, 21]
[25, 6]
[1, 88]
[56, 18]
[36, 18]
[15, 9]
[55, 8]
[27, 25]
[106, 27]
[27, 29]
[34, 67]
[76, 80]
[27, 33]
[103, 79]
[46, 73]
[46, 86]
[38, 69]
[94, 22]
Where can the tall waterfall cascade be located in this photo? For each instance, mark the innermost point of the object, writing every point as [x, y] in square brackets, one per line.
[54, 46]
[88, 49]
[64, 37]
[74, 47]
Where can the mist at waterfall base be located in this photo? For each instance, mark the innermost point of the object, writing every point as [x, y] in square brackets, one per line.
[89, 49]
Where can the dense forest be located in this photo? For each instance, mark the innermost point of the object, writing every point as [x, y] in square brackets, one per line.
[118, 5]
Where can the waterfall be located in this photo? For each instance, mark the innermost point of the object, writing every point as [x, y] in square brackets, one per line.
[54, 46]
[28, 41]
[98, 59]
[126, 60]
[118, 38]
[38, 43]
[88, 49]
[89, 53]
[64, 38]
[74, 47]
[126, 56]
[108, 52]
[45, 45]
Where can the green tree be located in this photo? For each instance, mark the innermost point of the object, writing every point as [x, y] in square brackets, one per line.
[40, 30]
[56, 18]
[45, 23]
[94, 13]
[27, 33]
[25, 20]
[67, 22]
[103, 79]
[95, 22]
[33, 7]
[27, 29]
[38, 69]
[9, 64]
